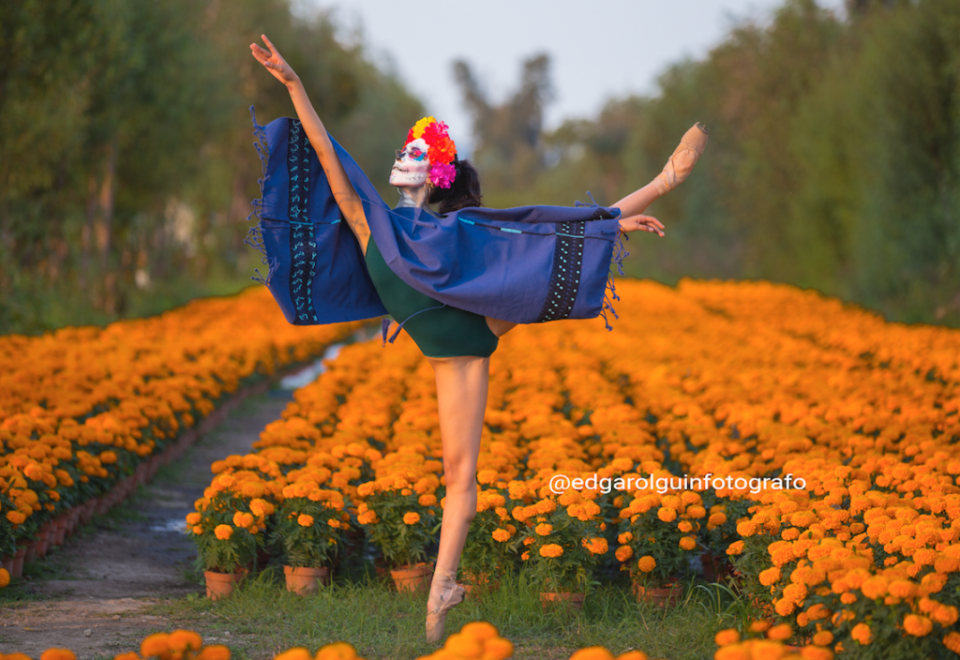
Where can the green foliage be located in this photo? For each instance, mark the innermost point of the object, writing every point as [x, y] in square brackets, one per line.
[127, 163]
[833, 161]
[402, 528]
[564, 544]
[316, 543]
[227, 534]
[491, 546]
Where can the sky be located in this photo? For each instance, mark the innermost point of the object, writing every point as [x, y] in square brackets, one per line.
[599, 49]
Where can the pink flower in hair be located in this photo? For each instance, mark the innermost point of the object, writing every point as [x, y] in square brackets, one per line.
[442, 174]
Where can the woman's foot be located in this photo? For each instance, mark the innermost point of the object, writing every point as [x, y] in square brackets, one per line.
[444, 594]
[683, 159]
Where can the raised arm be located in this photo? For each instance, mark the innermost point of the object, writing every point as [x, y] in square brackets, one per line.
[343, 191]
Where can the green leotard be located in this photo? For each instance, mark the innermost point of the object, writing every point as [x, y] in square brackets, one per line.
[443, 332]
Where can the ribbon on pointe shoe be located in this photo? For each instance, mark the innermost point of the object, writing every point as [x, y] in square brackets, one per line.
[684, 157]
[451, 594]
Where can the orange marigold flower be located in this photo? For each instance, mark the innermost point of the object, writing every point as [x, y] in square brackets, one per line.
[551, 550]
[337, 651]
[501, 535]
[183, 640]
[155, 644]
[4, 577]
[952, 641]
[735, 548]
[58, 654]
[223, 532]
[214, 652]
[769, 576]
[427, 499]
[917, 625]
[861, 633]
[781, 632]
[543, 529]
[595, 546]
[646, 563]
[733, 652]
[875, 587]
[666, 514]
[623, 553]
[298, 653]
[625, 538]
[727, 637]
[592, 653]
[688, 543]
[243, 519]
[304, 520]
[411, 518]
[823, 638]
[902, 589]
[945, 615]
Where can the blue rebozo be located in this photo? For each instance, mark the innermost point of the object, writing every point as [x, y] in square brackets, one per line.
[526, 265]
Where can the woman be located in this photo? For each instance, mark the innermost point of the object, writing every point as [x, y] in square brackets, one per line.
[457, 343]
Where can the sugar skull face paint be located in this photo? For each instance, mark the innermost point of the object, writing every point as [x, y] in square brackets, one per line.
[412, 166]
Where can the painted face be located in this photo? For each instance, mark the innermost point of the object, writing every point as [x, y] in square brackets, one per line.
[412, 167]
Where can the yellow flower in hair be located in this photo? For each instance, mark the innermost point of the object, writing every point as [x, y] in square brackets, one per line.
[419, 127]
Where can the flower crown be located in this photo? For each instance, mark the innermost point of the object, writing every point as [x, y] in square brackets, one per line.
[441, 150]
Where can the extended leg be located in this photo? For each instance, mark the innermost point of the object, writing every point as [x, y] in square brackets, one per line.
[676, 170]
[461, 401]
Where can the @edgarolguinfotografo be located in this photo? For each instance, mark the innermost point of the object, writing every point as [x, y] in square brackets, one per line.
[561, 483]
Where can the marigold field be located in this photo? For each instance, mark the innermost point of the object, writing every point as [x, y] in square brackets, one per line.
[738, 381]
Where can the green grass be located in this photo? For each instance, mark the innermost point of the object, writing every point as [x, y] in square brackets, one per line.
[262, 618]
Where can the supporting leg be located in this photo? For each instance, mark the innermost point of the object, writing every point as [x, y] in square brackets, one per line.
[461, 400]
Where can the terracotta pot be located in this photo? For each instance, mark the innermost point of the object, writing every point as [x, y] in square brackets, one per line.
[306, 581]
[142, 474]
[221, 585]
[103, 505]
[31, 547]
[478, 584]
[561, 598]
[59, 531]
[16, 569]
[661, 596]
[415, 578]
[6, 563]
[87, 509]
[42, 543]
[715, 568]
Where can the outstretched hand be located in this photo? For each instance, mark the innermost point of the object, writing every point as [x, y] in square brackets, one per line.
[273, 61]
[641, 222]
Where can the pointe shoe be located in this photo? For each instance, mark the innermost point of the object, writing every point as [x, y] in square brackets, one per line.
[451, 594]
[684, 157]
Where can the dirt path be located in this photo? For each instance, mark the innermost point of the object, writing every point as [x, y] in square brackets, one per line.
[90, 594]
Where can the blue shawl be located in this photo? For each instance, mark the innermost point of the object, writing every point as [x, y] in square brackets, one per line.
[526, 265]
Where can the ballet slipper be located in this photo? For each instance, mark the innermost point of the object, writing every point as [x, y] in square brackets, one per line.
[684, 157]
[450, 594]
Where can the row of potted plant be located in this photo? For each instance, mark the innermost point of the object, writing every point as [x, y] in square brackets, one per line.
[86, 414]
[733, 384]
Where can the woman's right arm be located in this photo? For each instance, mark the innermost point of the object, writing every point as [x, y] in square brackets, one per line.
[343, 191]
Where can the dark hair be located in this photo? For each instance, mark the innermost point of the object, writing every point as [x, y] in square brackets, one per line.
[463, 192]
